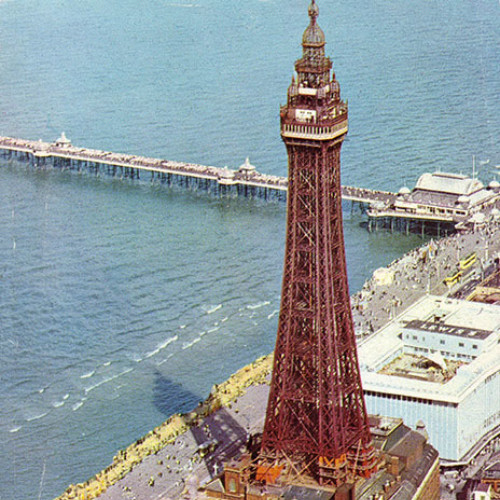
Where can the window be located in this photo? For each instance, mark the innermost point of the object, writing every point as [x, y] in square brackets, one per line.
[461, 344]
[441, 342]
[474, 346]
[232, 485]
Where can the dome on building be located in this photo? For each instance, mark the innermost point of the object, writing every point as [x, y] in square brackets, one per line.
[313, 35]
[494, 185]
[404, 190]
[247, 167]
[63, 140]
[463, 199]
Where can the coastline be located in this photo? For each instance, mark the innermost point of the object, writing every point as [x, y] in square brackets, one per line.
[381, 298]
[125, 460]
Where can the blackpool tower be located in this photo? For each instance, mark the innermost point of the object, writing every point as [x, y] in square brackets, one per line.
[316, 422]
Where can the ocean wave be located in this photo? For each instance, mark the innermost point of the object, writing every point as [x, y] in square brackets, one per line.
[212, 309]
[159, 363]
[161, 346]
[79, 404]
[106, 380]
[269, 316]
[258, 305]
[37, 417]
[88, 375]
[187, 345]
[211, 330]
[15, 429]
[183, 5]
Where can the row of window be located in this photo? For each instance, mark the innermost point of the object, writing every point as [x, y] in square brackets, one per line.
[441, 341]
[301, 129]
[411, 399]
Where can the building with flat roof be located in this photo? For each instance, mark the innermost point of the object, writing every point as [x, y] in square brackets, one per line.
[439, 362]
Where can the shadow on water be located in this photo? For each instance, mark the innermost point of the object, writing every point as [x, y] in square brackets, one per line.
[170, 397]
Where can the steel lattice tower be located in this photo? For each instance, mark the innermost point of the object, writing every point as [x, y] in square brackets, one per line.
[316, 419]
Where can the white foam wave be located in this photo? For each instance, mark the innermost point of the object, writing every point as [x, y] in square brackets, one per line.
[211, 330]
[57, 404]
[15, 429]
[183, 5]
[187, 345]
[88, 375]
[258, 305]
[79, 404]
[106, 380]
[212, 309]
[107, 363]
[37, 417]
[159, 363]
[223, 320]
[269, 316]
[161, 346]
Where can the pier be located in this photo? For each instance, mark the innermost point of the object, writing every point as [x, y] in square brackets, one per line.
[245, 181]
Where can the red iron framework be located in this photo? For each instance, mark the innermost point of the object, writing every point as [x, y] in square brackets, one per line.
[316, 421]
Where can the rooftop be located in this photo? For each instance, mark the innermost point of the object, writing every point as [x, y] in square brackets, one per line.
[445, 182]
[447, 329]
[383, 355]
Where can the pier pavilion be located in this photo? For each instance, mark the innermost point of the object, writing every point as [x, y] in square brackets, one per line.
[440, 202]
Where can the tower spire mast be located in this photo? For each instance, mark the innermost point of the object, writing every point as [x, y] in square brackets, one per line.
[316, 419]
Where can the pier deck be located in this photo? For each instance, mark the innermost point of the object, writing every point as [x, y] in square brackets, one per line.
[246, 182]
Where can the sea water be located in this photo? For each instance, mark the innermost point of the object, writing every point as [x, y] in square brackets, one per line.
[123, 302]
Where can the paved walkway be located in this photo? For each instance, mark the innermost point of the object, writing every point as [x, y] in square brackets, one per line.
[179, 467]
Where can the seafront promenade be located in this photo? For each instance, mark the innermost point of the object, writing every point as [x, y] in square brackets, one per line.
[173, 460]
[245, 181]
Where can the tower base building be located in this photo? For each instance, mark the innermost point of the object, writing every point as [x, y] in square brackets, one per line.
[408, 470]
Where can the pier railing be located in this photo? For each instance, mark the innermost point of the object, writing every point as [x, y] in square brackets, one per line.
[245, 181]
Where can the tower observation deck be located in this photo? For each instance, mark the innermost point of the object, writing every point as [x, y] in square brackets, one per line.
[316, 422]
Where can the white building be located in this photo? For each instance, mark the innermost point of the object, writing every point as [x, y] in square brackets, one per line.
[438, 362]
[440, 198]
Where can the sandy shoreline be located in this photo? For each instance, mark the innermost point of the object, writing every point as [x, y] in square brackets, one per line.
[170, 454]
